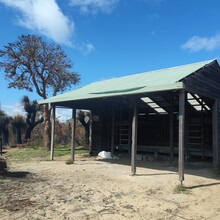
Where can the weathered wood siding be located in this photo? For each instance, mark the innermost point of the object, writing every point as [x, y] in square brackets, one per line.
[204, 82]
[216, 137]
[218, 127]
[101, 127]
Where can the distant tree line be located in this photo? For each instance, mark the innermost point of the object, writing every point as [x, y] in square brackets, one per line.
[30, 129]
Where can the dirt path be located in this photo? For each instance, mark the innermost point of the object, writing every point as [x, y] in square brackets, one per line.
[96, 189]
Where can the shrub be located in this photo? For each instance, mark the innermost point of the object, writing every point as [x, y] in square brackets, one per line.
[69, 161]
[181, 189]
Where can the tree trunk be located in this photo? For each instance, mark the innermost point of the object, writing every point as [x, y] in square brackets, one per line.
[5, 135]
[28, 132]
[47, 127]
[30, 127]
[86, 127]
[18, 136]
[87, 136]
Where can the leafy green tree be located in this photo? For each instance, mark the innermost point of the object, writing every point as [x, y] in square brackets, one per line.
[34, 65]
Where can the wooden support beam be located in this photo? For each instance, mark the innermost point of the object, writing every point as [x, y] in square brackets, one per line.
[52, 133]
[134, 138]
[186, 130]
[90, 134]
[202, 138]
[171, 138]
[73, 134]
[215, 136]
[130, 116]
[181, 134]
[113, 131]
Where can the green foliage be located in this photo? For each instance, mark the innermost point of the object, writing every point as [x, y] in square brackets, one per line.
[26, 154]
[81, 150]
[69, 161]
[39, 153]
[61, 151]
[181, 189]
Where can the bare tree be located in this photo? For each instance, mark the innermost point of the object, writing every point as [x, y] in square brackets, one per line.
[32, 64]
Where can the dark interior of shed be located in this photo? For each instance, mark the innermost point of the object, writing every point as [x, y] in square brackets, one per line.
[157, 118]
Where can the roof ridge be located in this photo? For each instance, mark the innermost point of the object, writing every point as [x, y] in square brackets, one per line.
[156, 70]
[182, 65]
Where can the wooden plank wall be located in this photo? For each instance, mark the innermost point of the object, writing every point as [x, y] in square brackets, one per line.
[218, 124]
[216, 135]
[206, 82]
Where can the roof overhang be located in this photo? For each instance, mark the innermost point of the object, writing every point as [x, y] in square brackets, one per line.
[78, 95]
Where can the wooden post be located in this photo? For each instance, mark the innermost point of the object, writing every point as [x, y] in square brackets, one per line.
[90, 134]
[186, 131]
[181, 134]
[215, 135]
[171, 130]
[202, 119]
[113, 131]
[134, 138]
[52, 133]
[73, 134]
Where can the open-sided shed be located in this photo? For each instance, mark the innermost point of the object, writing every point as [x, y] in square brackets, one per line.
[174, 110]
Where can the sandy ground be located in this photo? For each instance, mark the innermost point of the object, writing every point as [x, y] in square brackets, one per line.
[97, 189]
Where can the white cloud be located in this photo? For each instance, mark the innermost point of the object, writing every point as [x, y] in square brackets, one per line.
[88, 48]
[17, 109]
[93, 6]
[197, 43]
[44, 17]
[12, 110]
[63, 114]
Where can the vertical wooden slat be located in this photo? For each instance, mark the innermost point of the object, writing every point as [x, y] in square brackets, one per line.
[186, 130]
[52, 133]
[215, 135]
[134, 138]
[171, 131]
[181, 134]
[113, 131]
[130, 116]
[73, 134]
[202, 133]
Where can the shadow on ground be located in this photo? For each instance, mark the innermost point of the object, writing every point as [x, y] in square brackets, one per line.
[17, 174]
[197, 167]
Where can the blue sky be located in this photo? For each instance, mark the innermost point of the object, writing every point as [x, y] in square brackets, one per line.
[112, 38]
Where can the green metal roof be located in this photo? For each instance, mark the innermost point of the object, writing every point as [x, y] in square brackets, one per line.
[153, 81]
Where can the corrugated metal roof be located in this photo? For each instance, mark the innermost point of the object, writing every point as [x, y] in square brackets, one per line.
[153, 81]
